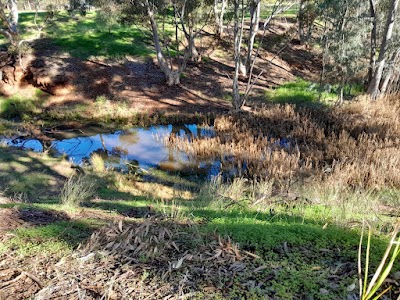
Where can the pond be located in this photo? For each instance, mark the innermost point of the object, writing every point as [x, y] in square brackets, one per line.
[137, 148]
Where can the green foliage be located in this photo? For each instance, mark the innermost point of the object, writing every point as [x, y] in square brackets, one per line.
[297, 92]
[369, 290]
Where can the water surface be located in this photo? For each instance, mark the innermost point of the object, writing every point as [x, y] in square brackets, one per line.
[136, 148]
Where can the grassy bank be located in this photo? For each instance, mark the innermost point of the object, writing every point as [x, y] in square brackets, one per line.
[207, 240]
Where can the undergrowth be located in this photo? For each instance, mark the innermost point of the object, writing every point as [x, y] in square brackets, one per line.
[351, 147]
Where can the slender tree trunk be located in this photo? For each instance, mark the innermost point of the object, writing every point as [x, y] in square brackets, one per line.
[373, 89]
[389, 71]
[255, 9]
[219, 16]
[372, 56]
[300, 18]
[194, 54]
[237, 100]
[10, 23]
[13, 15]
[172, 76]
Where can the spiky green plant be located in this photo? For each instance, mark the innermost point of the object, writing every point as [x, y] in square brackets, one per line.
[368, 290]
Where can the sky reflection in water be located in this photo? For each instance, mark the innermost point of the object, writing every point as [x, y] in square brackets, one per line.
[137, 146]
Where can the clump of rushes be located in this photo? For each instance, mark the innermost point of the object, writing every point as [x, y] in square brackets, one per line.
[369, 290]
[355, 146]
[97, 163]
[77, 190]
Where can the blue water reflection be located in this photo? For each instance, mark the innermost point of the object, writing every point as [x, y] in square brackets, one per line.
[141, 147]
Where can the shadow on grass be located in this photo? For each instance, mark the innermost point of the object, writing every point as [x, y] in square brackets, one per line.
[84, 37]
[27, 176]
[131, 209]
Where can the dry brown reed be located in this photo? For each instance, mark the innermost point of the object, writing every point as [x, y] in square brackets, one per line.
[357, 145]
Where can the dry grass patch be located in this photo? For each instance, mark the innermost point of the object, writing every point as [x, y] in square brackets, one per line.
[355, 146]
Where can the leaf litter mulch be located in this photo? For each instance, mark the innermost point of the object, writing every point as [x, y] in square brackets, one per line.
[155, 259]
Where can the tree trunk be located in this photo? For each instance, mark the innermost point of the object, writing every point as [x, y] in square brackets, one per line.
[300, 18]
[389, 71]
[194, 54]
[219, 16]
[373, 89]
[172, 76]
[237, 100]
[372, 56]
[255, 9]
[10, 23]
[13, 20]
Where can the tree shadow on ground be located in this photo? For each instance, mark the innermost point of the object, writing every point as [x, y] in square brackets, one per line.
[137, 83]
[25, 176]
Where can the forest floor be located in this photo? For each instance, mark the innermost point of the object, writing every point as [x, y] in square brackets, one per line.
[294, 235]
[65, 83]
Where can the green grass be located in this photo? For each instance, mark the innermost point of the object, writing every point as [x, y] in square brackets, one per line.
[305, 248]
[299, 92]
[302, 92]
[19, 107]
[84, 37]
[28, 176]
[56, 238]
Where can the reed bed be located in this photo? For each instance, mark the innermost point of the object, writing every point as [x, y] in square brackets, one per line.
[356, 146]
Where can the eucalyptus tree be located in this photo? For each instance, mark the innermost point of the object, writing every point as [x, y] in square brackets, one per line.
[109, 13]
[377, 75]
[219, 7]
[345, 36]
[9, 21]
[178, 14]
[306, 16]
[246, 69]
[192, 17]
[392, 66]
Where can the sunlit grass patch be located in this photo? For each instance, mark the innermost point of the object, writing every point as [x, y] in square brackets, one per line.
[299, 92]
[19, 107]
[56, 238]
[83, 37]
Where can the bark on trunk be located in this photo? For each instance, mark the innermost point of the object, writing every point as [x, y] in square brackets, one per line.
[255, 9]
[301, 21]
[237, 100]
[13, 16]
[219, 16]
[372, 56]
[389, 71]
[373, 89]
[172, 76]
[11, 22]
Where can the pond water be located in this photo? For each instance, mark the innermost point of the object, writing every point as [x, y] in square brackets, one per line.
[137, 148]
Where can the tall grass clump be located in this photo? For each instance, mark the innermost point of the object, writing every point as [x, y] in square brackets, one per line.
[356, 146]
[97, 163]
[77, 190]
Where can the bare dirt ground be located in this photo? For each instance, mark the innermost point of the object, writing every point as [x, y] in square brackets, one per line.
[141, 84]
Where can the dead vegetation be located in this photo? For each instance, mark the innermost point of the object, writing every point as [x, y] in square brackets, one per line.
[156, 259]
[356, 146]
